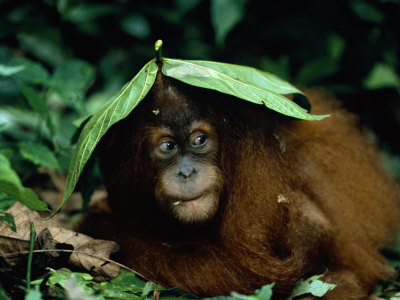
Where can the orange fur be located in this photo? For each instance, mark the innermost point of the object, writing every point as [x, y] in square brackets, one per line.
[296, 194]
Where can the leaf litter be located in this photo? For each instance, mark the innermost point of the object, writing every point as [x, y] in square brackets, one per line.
[55, 244]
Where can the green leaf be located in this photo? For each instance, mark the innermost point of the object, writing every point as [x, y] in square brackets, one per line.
[21, 124]
[62, 277]
[5, 202]
[33, 72]
[220, 298]
[265, 292]
[38, 104]
[325, 65]
[10, 70]
[34, 294]
[44, 45]
[11, 185]
[70, 80]
[137, 26]
[126, 281]
[115, 110]
[186, 5]
[83, 12]
[382, 76]
[76, 74]
[128, 286]
[75, 292]
[225, 15]
[6, 217]
[39, 154]
[240, 81]
[243, 297]
[8, 87]
[395, 296]
[315, 69]
[147, 288]
[312, 286]
[3, 295]
[7, 173]
[367, 12]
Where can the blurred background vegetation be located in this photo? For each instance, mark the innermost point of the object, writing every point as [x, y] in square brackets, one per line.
[60, 60]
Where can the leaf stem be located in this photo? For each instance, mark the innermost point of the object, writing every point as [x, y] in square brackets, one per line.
[30, 256]
[157, 47]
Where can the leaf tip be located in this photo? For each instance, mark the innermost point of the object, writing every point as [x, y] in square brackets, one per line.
[320, 117]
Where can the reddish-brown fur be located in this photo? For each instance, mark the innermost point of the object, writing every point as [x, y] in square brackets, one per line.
[296, 195]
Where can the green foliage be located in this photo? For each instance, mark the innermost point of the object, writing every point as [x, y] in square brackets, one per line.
[265, 293]
[34, 294]
[3, 295]
[10, 185]
[8, 71]
[367, 12]
[382, 76]
[70, 81]
[5, 202]
[39, 154]
[312, 70]
[31, 73]
[125, 286]
[9, 219]
[128, 286]
[137, 26]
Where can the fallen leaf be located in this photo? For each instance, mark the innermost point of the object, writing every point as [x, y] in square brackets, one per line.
[88, 253]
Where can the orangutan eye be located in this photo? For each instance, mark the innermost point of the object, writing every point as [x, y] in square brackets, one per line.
[167, 146]
[199, 140]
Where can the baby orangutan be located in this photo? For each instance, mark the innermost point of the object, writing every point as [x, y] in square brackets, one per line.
[213, 194]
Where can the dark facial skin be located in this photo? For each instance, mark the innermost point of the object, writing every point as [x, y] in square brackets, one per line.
[189, 182]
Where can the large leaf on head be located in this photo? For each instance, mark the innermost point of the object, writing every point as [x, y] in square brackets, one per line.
[242, 82]
[113, 111]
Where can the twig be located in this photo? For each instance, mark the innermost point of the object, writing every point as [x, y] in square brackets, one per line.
[30, 256]
[73, 251]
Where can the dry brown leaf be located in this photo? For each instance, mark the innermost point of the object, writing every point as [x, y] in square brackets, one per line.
[88, 252]
[54, 197]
